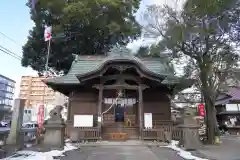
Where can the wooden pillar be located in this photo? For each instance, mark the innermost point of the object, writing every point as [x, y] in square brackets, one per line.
[140, 111]
[69, 107]
[100, 100]
[70, 116]
[68, 110]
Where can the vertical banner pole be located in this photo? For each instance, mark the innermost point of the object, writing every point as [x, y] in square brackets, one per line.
[41, 107]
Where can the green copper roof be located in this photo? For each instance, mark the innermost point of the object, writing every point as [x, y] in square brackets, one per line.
[84, 65]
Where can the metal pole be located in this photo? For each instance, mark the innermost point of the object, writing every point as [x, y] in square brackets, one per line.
[44, 87]
[46, 67]
[48, 52]
[46, 72]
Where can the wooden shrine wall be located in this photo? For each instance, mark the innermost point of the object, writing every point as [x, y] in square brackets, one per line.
[157, 103]
[84, 103]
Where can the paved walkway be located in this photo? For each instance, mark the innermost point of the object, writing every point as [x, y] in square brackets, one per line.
[227, 150]
[122, 153]
[137, 150]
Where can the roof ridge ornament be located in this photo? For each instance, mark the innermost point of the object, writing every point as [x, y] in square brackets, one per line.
[120, 50]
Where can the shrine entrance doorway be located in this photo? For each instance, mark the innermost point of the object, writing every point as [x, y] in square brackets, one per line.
[119, 113]
[120, 100]
[122, 114]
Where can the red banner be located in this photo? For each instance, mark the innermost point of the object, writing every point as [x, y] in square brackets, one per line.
[40, 117]
[201, 110]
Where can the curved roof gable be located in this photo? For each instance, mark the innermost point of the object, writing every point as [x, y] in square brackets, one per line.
[87, 64]
[153, 67]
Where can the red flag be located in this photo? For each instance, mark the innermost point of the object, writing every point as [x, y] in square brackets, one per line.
[48, 33]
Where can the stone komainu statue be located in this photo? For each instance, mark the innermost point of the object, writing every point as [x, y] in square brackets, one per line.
[55, 113]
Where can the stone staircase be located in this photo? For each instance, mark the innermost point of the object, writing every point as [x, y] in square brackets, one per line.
[118, 127]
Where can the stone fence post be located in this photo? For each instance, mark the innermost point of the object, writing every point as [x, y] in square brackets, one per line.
[15, 136]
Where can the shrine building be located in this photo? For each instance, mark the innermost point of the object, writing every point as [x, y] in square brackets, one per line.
[118, 93]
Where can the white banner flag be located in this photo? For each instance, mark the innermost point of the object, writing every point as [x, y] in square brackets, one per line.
[48, 33]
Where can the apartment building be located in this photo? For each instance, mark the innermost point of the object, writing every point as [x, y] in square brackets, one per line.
[7, 88]
[36, 92]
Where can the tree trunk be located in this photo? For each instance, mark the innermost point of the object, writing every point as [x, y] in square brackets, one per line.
[211, 120]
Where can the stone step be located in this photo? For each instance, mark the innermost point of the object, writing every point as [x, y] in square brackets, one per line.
[106, 136]
[132, 132]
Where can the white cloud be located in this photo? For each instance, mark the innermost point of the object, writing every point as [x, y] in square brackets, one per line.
[136, 44]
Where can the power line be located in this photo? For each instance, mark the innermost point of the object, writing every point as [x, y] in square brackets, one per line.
[14, 55]
[10, 38]
[8, 52]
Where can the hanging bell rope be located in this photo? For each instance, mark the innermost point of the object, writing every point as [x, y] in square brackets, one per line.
[114, 103]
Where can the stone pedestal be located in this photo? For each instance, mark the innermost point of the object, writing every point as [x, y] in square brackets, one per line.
[190, 136]
[54, 136]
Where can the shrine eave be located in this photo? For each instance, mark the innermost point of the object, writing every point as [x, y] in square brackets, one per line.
[91, 68]
[176, 85]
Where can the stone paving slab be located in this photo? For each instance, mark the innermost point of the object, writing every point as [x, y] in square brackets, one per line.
[227, 150]
[164, 153]
[122, 153]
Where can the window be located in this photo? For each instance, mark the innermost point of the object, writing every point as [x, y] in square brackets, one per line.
[12, 84]
[9, 89]
[8, 95]
[233, 107]
[6, 102]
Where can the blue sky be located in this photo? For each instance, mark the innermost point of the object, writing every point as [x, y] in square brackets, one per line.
[16, 23]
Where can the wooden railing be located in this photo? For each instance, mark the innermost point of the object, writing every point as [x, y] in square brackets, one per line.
[152, 134]
[159, 131]
[88, 133]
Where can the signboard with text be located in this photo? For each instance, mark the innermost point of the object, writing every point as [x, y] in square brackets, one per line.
[148, 120]
[40, 116]
[201, 110]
